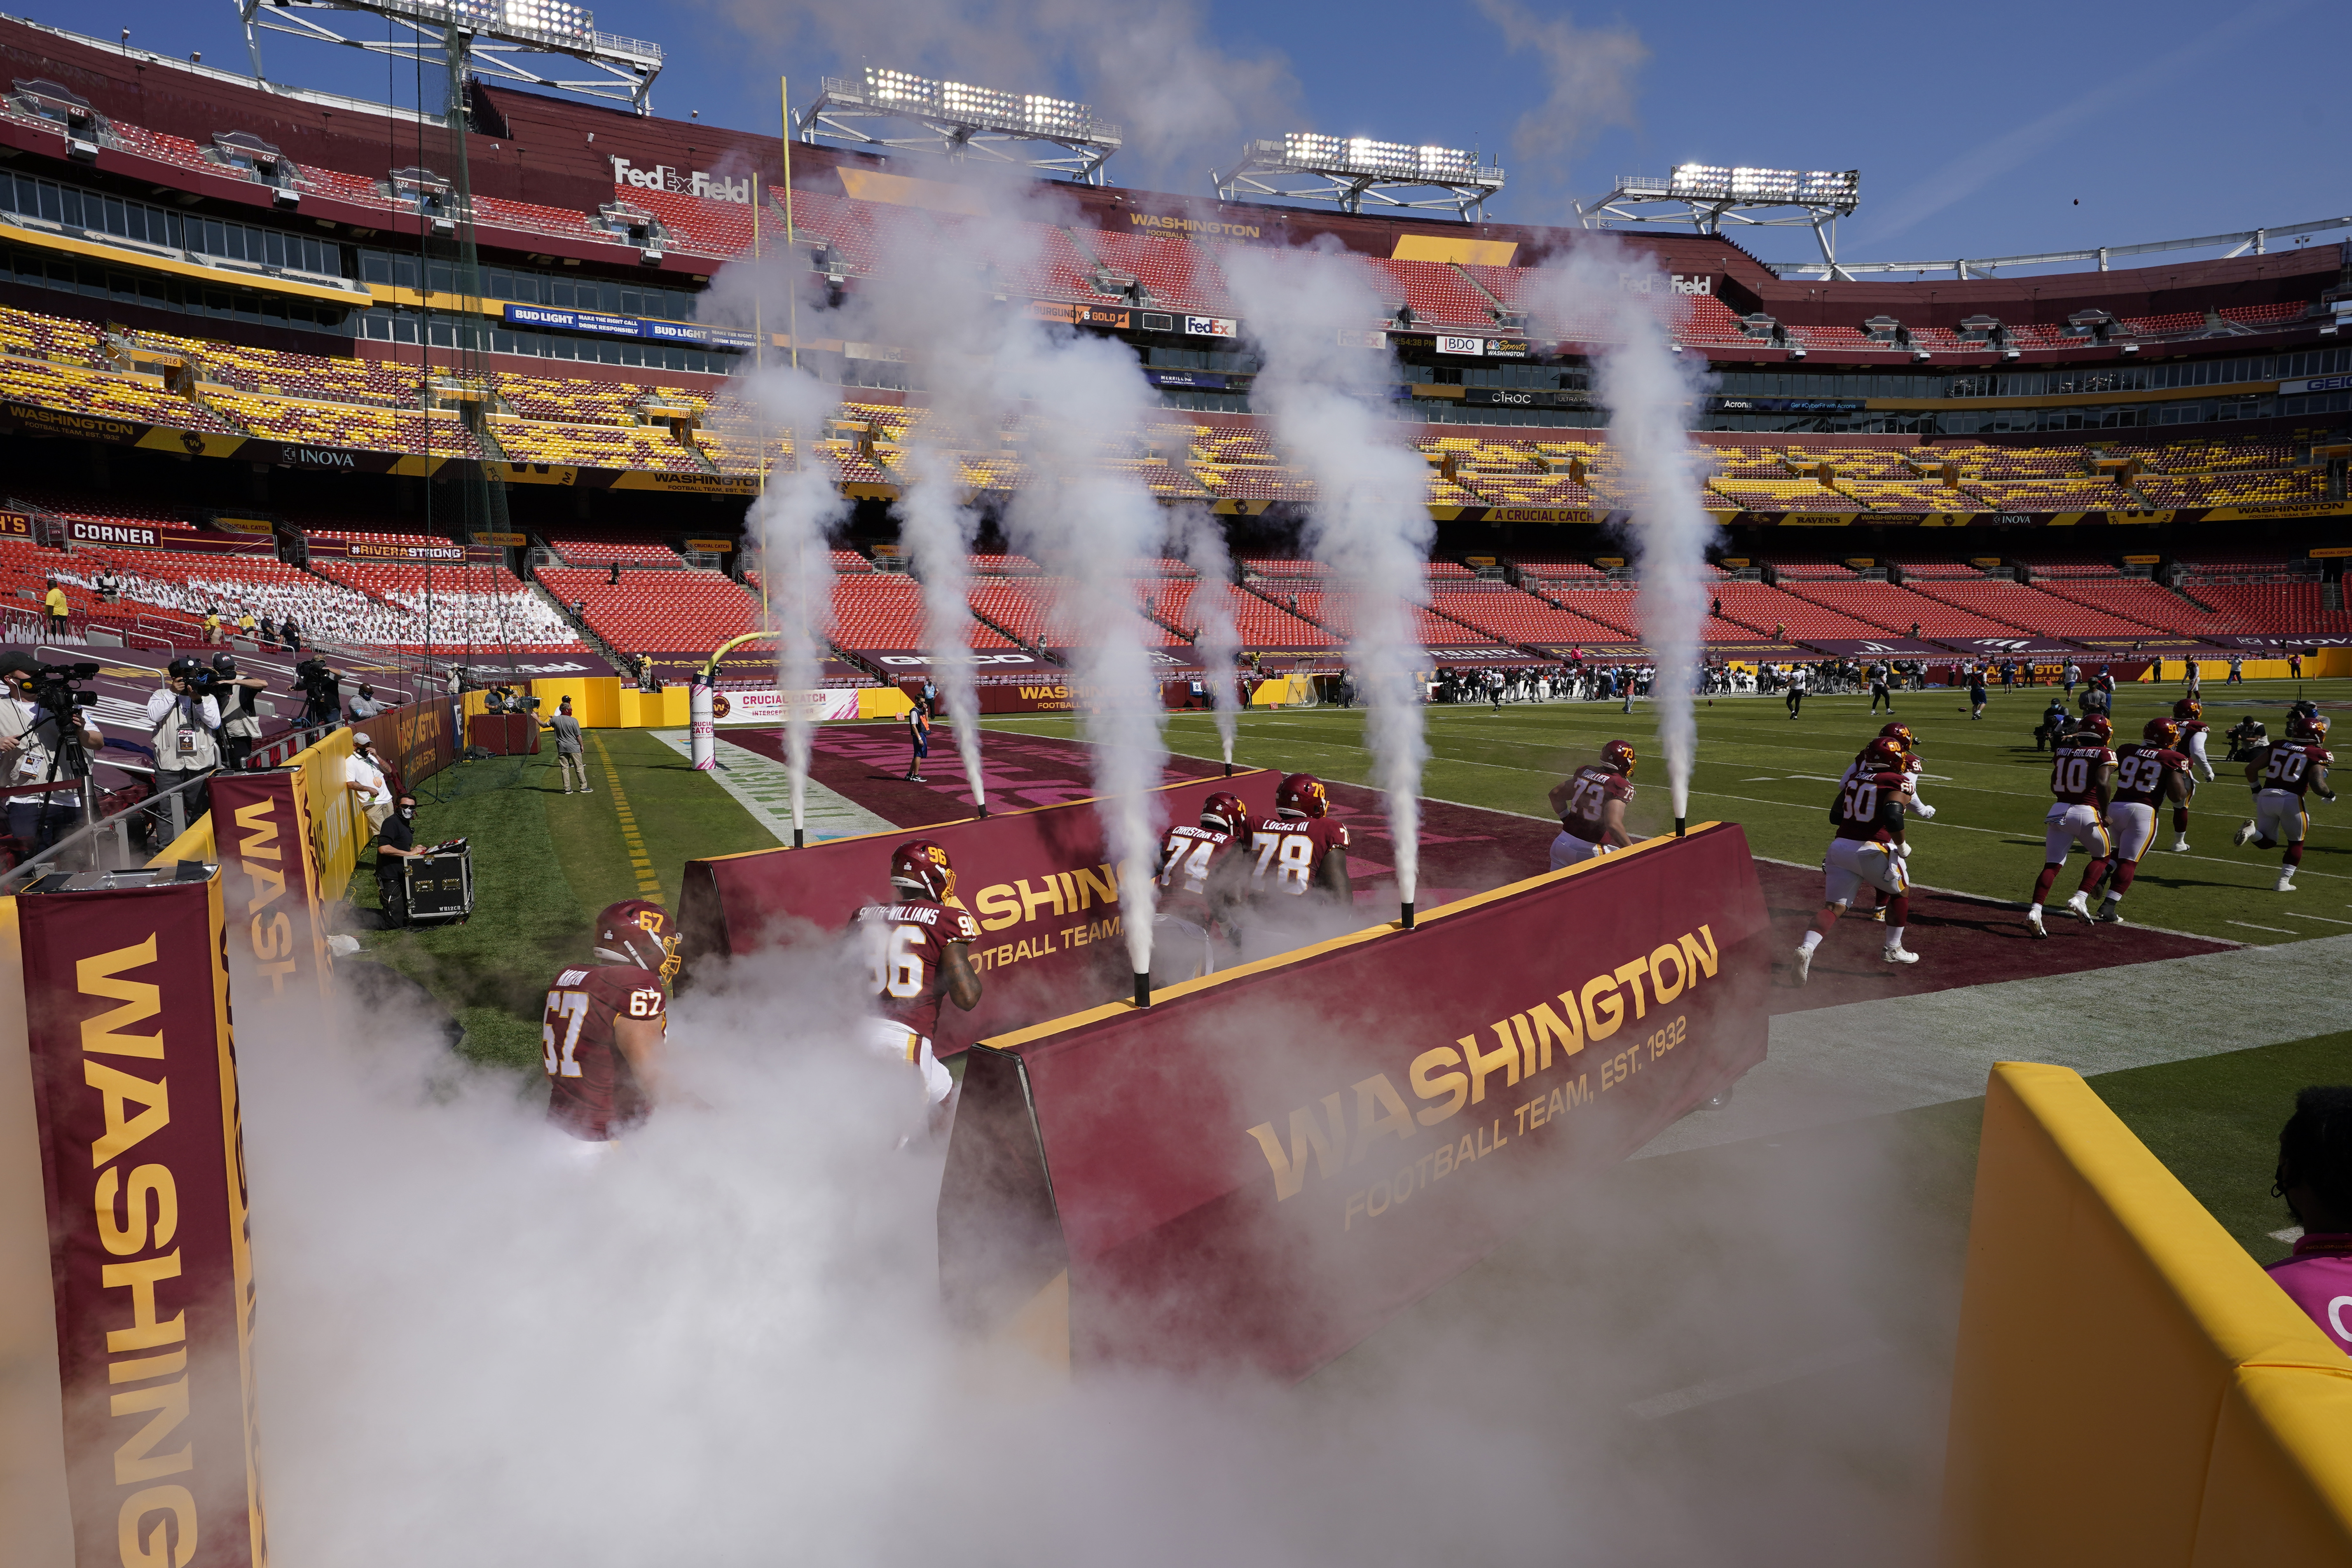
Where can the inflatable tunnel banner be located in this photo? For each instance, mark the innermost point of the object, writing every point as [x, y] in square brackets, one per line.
[1040, 883]
[277, 944]
[1267, 1163]
[135, 1087]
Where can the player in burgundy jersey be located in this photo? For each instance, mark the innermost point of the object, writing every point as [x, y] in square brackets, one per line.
[2150, 772]
[1866, 850]
[2082, 777]
[919, 946]
[2189, 714]
[2285, 775]
[1203, 881]
[1913, 766]
[1591, 805]
[1301, 849]
[606, 1024]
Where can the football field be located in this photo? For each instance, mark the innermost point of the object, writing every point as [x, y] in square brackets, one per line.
[1776, 775]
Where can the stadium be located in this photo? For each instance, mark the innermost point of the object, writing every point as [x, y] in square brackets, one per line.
[789, 464]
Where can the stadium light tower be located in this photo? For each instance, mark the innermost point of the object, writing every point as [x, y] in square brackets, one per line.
[1350, 171]
[1706, 197]
[905, 113]
[478, 37]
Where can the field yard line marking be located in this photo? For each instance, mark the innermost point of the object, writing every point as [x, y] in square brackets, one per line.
[1999, 903]
[1857, 1060]
[1763, 778]
[1755, 1379]
[632, 837]
[2251, 926]
[2299, 915]
[762, 786]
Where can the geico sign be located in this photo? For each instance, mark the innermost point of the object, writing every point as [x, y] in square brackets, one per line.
[976, 659]
[662, 177]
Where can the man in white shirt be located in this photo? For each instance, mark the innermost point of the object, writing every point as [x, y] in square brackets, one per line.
[364, 777]
[187, 721]
[28, 735]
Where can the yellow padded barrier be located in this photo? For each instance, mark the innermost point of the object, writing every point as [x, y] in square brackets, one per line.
[2130, 1387]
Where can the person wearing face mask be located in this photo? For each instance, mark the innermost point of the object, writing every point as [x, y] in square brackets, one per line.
[395, 843]
[185, 720]
[363, 778]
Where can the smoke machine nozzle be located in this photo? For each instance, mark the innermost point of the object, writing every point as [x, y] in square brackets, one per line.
[1405, 915]
[1143, 988]
[800, 838]
[1678, 827]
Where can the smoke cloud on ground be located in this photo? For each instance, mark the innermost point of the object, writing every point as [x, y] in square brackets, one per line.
[1323, 390]
[723, 1343]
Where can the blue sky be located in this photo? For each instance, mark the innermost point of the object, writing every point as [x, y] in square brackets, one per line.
[1993, 128]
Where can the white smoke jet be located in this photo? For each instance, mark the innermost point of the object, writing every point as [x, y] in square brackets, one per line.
[1200, 544]
[1091, 524]
[1326, 376]
[1606, 292]
[797, 515]
[938, 529]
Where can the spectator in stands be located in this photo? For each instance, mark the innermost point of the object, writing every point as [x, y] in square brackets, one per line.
[571, 758]
[2315, 1177]
[1914, 631]
[110, 586]
[186, 732]
[268, 631]
[59, 610]
[1717, 611]
[612, 578]
[28, 749]
[363, 780]
[290, 636]
[240, 719]
[363, 704]
[396, 842]
[245, 621]
[212, 627]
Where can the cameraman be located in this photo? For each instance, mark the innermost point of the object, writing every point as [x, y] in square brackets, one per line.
[240, 720]
[29, 737]
[186, 737]
[322, 692]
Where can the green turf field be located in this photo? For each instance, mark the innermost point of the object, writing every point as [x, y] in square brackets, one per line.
[543, 865]
[1775, 776]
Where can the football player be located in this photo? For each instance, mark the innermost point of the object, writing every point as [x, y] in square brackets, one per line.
[2149, 773]
[606, 1024]
[2189, 714]
[920, 949]
[1866, 850]
[1591, 806]
[2082, 777]
[2283, 776]
[1203, 879]
[1301, 849]
[1912, 766]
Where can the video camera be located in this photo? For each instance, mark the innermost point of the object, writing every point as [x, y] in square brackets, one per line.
[320, 683]
[57, 687]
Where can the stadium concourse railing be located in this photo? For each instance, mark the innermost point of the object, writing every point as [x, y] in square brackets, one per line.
[2130, 1386]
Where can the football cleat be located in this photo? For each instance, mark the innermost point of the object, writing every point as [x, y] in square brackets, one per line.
[2285, 885]
[2180, 846]
[1924, 809]
[2111, 913]
[1901, 955]
[2079, 905]
[1804, 964]
[2244, 835]
[2033, 924]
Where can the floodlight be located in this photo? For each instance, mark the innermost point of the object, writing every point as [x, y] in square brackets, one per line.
[960, 119]
[1708, 196]
[1308, 165]
[478, 37]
